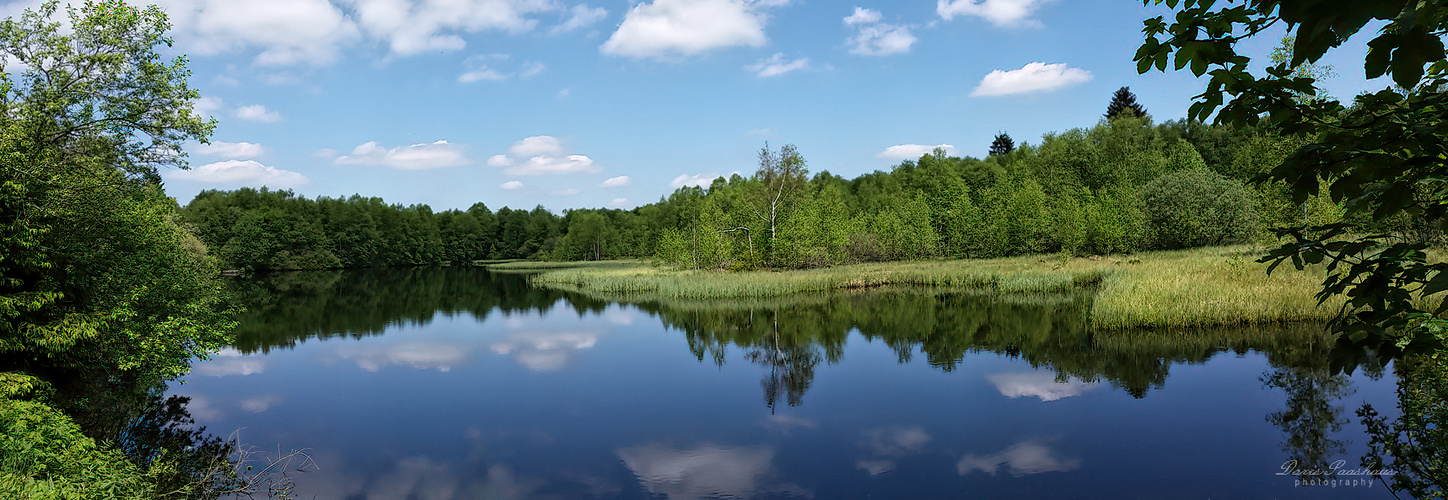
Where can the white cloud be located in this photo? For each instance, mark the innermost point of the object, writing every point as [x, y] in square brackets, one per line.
[618, 203]
[695, 180]
[912, 151]
[538, 145]
[258, 113]
[579, 16]
[1038, 384]
[414, 157]
[241, 172]
[208, 106]
[542, 154]
[777, 65]
[540, 165]
[232, 150]
[325, 153]
[1033, 77]
[562, 94]
[622, 180]
[863, 16]
[479, 70]
[285, 32]
[484, 73]
[1005, 13]
[875, 38]
[512, 185]
[413, 26]
[1028, 457]
[566, 192]
[666, 28]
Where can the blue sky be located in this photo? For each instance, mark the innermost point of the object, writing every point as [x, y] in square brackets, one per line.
[616, 103]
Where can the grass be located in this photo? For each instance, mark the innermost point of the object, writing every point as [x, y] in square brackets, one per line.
[1164, 289]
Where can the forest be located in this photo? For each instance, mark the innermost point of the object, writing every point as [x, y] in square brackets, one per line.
[1122, 185]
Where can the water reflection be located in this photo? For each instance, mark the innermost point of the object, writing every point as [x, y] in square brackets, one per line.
[706, 471]
[554, 379]
[1020, 459]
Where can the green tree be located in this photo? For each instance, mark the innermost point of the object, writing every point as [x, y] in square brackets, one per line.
[781, 178]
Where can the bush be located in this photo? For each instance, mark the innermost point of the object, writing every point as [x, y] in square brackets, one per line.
[1198, 207]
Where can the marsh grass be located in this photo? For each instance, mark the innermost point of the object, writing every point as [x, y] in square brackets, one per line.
[1165, 289]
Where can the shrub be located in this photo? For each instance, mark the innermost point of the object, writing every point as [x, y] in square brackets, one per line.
[1199, 207]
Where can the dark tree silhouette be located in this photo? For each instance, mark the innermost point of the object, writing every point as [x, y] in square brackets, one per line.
[1121, 101]
[1003, 144]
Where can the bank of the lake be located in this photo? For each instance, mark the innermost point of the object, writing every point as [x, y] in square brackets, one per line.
[1181, 288]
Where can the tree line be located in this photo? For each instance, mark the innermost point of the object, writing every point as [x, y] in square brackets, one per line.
[1123, 185]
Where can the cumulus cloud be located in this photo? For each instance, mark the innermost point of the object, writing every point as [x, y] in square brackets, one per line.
[912, 151]
[618, 203]
[1028, 457]
[208, 106]
[284, 32]
[777, 65]
[232, 150]
[258, 113]
[512, 185]
[670, 28]
[875, 38]
[1033, 77]
[622, 180]
[1005, 13]
[538, 145]
[567, 192]
[579, 16]
[540, 165]
[413, 26]
[241, 172]
[540, 155]
[695, 180]
[1038, 384]
[414, 157]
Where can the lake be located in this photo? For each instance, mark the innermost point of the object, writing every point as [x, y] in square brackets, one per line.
[464, 383]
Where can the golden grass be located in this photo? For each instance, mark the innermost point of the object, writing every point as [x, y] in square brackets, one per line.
[1183, 288]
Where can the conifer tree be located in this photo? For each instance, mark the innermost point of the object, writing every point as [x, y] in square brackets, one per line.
[1003, 144]
[1121, 101]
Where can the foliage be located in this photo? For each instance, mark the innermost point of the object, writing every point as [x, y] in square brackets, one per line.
[101, 283]
[1381, 157]
[44, 455]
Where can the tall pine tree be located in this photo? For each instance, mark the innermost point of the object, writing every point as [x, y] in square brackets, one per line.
[1003, 144]
[1122, 101]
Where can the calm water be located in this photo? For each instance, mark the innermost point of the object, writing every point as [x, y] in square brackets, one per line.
[434, 384]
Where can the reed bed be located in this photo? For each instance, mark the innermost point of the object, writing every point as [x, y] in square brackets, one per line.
[1165, 289]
